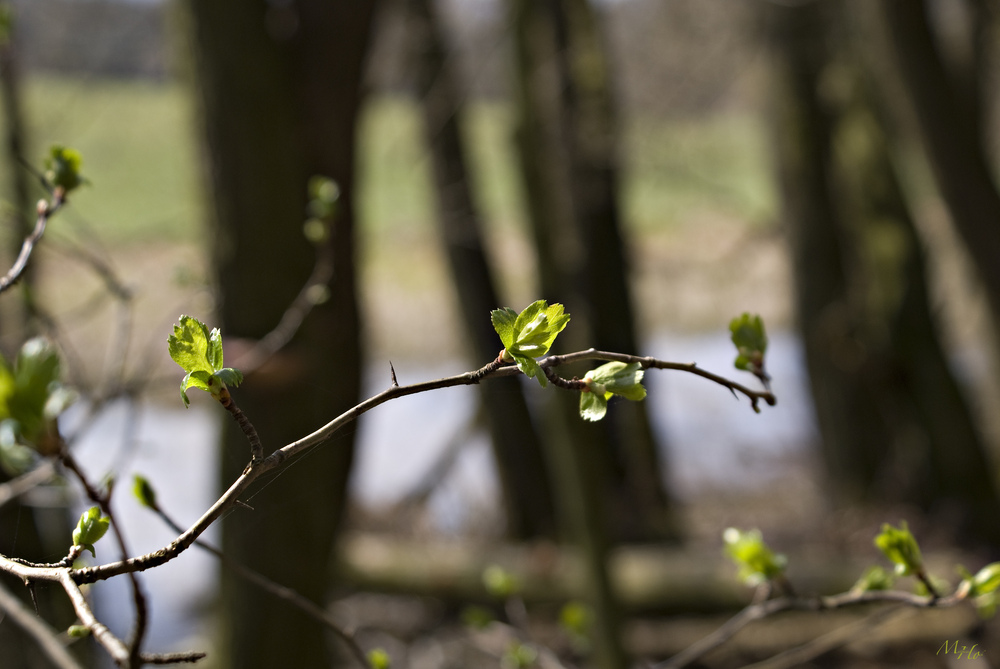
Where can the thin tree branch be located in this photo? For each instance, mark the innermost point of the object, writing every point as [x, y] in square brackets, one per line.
[16, 487]
[772, 606]
[46, 637]
[495, 368]
[284, 593]
[45, 211]
[138, 597]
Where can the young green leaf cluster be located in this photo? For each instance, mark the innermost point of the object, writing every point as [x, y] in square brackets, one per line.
[62, 168]
[324, 194]
[750, 339]
[982, 588]
[613, 378]
[529, 335]
[900, 546]
[199, 354]
[90, 528]
[756, 561]
[31, 398]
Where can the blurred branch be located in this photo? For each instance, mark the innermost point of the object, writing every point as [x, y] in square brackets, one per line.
[16, 487]
[45, 211]
[770, 607]
[46, 637]
[284, 593]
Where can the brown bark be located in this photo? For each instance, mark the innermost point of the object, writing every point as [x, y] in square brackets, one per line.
[280, 89]
[948, 129]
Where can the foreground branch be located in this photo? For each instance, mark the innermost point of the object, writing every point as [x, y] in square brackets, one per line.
[45, 211]
[289, 451]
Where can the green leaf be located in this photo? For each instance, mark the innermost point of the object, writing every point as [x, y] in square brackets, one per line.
[62, 167]
[32, 396]
[750, 339]
[987, 579]
[324, 194]
[755, 559]
[900, 546]
[229, 376]
[90, 528]
[198, 351]
[982, 588]
[530, 334]
[593, 406]
[144, 492]
[503, 322]
[613, 378]
[536, 328]
[78, 631]
[499, 582]
[379, 659]
[576, 618]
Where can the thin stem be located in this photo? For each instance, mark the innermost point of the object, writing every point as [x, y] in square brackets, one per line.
[772, 606]
[38, 629]
[45, 210]
[284, 593]
[256, 448]
[138, 597]
[496, 368]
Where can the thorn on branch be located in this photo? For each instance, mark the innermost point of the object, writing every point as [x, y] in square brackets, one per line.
[392, 373]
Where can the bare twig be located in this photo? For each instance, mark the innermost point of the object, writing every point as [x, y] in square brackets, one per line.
[772, 606]
[292, 319]
[256, 448]
[138, 597]
[496, 368]
[46, 637]
[281, 592]
[45, 211]
[16, 487]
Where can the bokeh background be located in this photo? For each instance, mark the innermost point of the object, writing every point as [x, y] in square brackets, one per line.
[659, 167]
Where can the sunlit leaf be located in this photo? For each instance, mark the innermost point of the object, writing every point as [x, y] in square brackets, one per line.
[530, 334]
[613, 378]
[900, 546]
[198, 351]
[62, 167]
[90, 528]
[756, 561]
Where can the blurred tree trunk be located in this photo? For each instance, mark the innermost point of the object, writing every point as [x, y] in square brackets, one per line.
[567, 143]
[517, 449]
[20, 211]
[947, 122]
[894, 423]
[608, 473]
[280, 87]
[34, 534]
[853, 437]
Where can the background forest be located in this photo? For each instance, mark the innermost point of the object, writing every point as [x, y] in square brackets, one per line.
[656, 166]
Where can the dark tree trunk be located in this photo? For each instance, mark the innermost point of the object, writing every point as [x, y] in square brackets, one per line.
[517, 449]
[280, 90]
[947, 123]
[14, 312]
[893, 420]
[853, 435]
[567, 143]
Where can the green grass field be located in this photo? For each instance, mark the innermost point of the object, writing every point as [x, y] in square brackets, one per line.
[139, 143]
